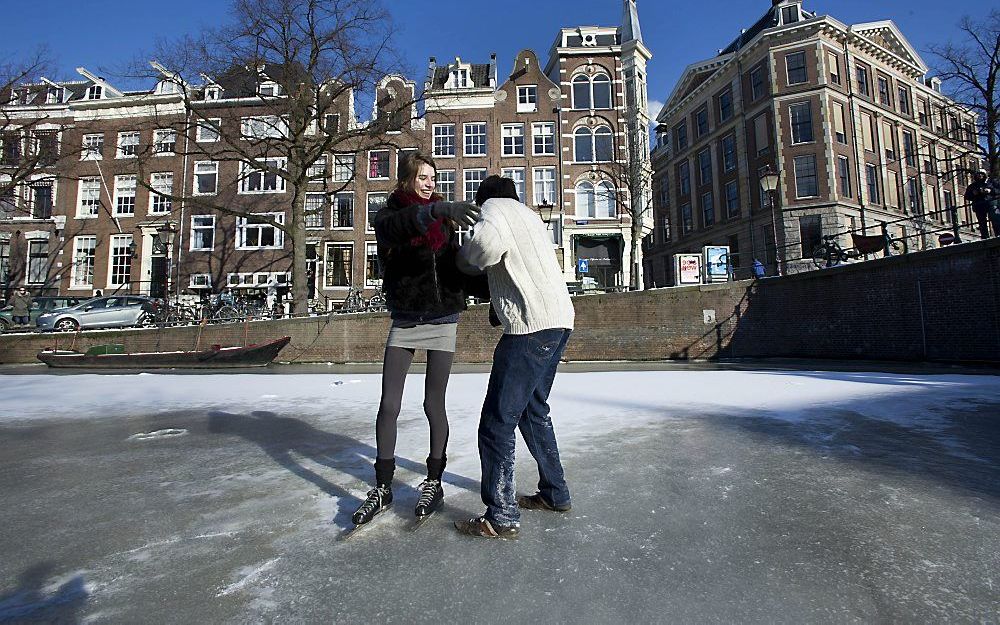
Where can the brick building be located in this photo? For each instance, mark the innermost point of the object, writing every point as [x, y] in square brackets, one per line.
[847, 117]
[125, 202]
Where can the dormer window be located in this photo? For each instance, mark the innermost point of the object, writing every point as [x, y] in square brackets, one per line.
[790, 14]
[54, 95]
[269, 90]
[527, 99]
[95, 92]
[212, 93]
[460, 78]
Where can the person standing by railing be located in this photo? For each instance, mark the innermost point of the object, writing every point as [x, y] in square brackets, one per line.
[984, 195]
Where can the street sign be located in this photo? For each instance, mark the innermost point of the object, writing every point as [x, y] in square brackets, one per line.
[946, 238]
[583, 265]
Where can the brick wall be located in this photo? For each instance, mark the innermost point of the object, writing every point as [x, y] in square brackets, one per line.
[941, 304]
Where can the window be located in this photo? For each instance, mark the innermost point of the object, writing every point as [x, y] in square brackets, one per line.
[45, 145]
[795, 66]
[802, 126]
[337, 267]
[889, 141]
[331, 123]
[84, 252]
[883, 91]
[839, 124]
[128, 144]
[914, 201]
[213, 93]
[871, 176]
[38, 261]
[202, 233]
[89, 202]
[208, 130]
[317, 169]
[758, 84]
[908, 148]
[892, 189]
[444, 141]
[268, 90]
[593, 146]
[446, 184]
[701, 121]
[592, 93]
[705, 167]
[517, 175]
[725, 105]
[373, 268]
[253, 233]
[595, 201]
[4, 261]
[475, 139]
[342, 212]
[687, 218]
[161, 183]
[10, 150]
[343, 167]
[164, 141]
[121, 260]
[844, 174]
[729, 153]
[95, 92]
[376, 201]
[200, 281]
[790, 14]
[681, 133]
[8, 206]
[904, 101]
[378, 165]
[544, 183]
[861, 73]
[460, 78]
[868, 132]
[732, 199]
[125, 195]
[40, 198]
[805, 176]
[263, 127]
[543, 136]
[760, 134]
[527, 99]
[810, 234]
[684, 178]
[472, 179]
[924, 112]
[206, 178]
[313, 210]
[708, 209]
[512, 139]
[263, 180]
[833, 64]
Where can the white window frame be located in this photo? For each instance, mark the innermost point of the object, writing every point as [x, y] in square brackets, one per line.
[207, 224]
[527, 98]
[306, 210]
[795, 175]
[164, 183]
[543, 186]
[128, 144]
[209, 130]
[480, 173]
[388, 163]
[371, 247]
[260, 127]
[122, 192]
[119, 250]
[368, 202]
[441, 184]
[443, 140]
[200, 281]
[249, 174]
[164, 137]
[510, 133]
[327, 246]
[92, 208]
[318, 168]
[518, 176]
[92, 147]
[335, 208]
[343, 166]
[546, 132]
[214, 165]
[468, 134]
[83, 259]
[243, 226]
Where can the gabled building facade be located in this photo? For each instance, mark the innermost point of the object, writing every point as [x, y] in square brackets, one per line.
[847, 117]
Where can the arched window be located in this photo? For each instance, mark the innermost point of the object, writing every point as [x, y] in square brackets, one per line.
[602, 91]
[604, 149]
[581, 93]
[583, 142]
[605, 203]
[585, 201]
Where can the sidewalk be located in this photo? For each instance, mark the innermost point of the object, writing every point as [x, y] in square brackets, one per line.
[700, 496]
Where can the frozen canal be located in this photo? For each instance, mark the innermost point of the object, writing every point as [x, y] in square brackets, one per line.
[700, 496]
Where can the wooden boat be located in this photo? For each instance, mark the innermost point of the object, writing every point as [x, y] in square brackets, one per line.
[114, 357]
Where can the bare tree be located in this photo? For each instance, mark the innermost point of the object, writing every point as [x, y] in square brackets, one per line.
[970, 69]
[292, 69]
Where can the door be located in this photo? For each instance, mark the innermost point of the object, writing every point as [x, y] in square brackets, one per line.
[158, 277]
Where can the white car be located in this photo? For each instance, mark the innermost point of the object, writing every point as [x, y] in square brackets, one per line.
[116, 311]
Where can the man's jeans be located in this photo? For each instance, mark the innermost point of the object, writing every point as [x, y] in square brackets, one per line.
[524, 367]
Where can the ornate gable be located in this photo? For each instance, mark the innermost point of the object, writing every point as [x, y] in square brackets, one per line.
[887, 36]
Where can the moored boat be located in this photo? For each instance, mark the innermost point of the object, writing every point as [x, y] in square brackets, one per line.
[114, 357]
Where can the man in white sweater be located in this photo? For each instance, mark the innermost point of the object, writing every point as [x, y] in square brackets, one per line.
[530, 297]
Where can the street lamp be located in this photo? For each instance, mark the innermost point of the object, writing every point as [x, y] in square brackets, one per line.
[548, 208]
[769, 184]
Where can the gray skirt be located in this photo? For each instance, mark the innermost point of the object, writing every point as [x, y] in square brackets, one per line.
[431, 336]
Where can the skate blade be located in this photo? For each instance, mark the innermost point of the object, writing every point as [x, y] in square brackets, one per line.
[360, 529]
[416, 524]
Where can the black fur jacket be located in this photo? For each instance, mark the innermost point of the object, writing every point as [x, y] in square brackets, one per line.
[419, 271]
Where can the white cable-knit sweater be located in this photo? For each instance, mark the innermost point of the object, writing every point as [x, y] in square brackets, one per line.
[526, 283]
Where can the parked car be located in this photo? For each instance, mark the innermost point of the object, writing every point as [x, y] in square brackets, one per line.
[41, 305]
[115, 311]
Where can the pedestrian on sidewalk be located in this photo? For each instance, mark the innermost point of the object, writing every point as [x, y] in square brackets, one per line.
[531, 299]
[21, 303]
[984, 195]
[425, 292]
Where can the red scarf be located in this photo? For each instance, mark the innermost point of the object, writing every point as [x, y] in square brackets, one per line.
[437, 234]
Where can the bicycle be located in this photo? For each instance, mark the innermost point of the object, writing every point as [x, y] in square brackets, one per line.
[354, 302]
[830, 253]
[377, 302]
[240, 309]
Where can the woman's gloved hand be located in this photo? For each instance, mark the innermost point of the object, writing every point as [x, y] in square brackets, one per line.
[462, 213]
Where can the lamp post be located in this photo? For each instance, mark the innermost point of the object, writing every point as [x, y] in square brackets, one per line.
[769, 180]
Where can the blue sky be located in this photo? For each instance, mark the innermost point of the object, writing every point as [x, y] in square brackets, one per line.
[101, 34]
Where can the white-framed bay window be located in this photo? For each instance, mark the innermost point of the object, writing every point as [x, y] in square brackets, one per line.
[253, 233]
[544, 185]
[162, 184]
[263, 177]
[125, 195]
[120, 261]
[84, 251]
[202, 233]
[89, 198]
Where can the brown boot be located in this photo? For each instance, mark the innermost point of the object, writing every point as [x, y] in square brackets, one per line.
[481, 526]
[537, 502]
